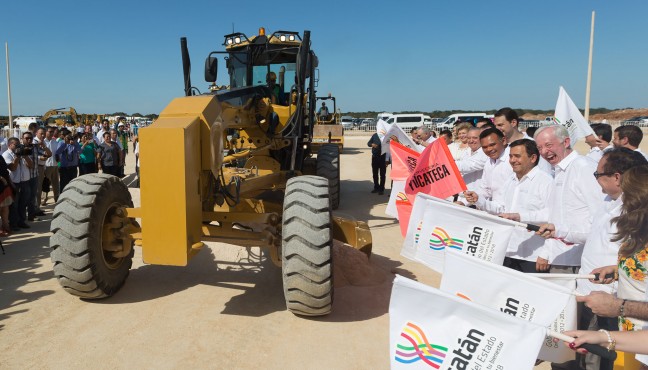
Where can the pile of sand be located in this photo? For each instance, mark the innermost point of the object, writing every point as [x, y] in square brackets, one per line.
[352, 267]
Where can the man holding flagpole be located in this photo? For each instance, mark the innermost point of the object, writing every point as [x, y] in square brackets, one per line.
[496, 170]
[526, 197]
[575, 195]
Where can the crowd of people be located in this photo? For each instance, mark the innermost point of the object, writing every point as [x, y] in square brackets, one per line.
[48, 158]
[591, 210]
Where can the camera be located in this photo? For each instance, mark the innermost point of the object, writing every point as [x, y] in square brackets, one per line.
[24, 150]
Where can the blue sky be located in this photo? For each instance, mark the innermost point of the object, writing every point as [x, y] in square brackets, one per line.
[108, 56]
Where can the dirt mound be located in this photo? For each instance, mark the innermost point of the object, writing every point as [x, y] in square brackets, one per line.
[352, 267]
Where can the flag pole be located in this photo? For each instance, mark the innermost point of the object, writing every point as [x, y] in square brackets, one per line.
[9, 87]
[589, 70]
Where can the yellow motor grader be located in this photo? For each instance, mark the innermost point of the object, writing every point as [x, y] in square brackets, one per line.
[232, 165]
[328, 129]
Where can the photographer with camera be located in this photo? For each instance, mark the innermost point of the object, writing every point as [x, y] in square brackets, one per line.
[19, 164]
[38, 153]
[68, 151]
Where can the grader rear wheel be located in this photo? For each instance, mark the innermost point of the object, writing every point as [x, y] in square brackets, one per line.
[83, 247]
[328, 166]
[307, 263]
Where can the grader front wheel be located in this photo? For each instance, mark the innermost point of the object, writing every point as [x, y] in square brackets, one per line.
[86, 253]
[307, 263]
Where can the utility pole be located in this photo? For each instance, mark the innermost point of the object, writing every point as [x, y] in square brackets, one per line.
[589, 71]
[9, 87]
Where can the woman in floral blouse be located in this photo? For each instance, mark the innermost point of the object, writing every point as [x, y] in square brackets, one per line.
[632, 226]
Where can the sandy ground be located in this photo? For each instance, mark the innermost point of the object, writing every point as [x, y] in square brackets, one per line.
[224, 310]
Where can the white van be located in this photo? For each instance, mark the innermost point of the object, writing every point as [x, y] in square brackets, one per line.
[409, 121]
[451, 120]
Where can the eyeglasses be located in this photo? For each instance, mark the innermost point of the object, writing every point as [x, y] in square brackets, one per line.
[597, 174]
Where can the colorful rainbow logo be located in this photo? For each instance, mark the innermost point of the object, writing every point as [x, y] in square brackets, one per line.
[440, 240]
[417, 235]
[556, 120]
[416, 348]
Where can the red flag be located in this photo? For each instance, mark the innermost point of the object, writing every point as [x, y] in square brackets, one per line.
[404, 161]
[404, 208]
[436, 173]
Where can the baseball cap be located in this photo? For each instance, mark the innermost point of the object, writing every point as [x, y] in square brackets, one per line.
[121, 124]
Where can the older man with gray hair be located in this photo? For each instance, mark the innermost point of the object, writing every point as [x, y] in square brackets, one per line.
[575, 196]
[423, 137]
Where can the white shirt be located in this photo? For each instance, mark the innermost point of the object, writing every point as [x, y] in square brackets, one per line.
[457, 152]
[52, 145]
[100, 137]
[599, 251]
[21, 174]
[526, 196]
[41, 162]
[473, 179]
[496, 174]
[475, 162]
[575, 198]
[596, 153]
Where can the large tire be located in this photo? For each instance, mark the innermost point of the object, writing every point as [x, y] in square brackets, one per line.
[307, 243]
[328, 167]
[81, 265]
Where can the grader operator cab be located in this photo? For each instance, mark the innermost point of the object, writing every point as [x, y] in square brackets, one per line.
[240, 173]
[328, 129]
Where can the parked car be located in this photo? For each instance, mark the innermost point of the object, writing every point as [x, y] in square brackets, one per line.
[346, 122]
[634, 120]
[367, 122]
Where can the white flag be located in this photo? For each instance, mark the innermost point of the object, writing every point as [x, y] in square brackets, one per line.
[381, 128]
[436, 225]
[393, 132]
[432, 329]
[509, 291]
[567, 320]
[568, 115]
[397, 192]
